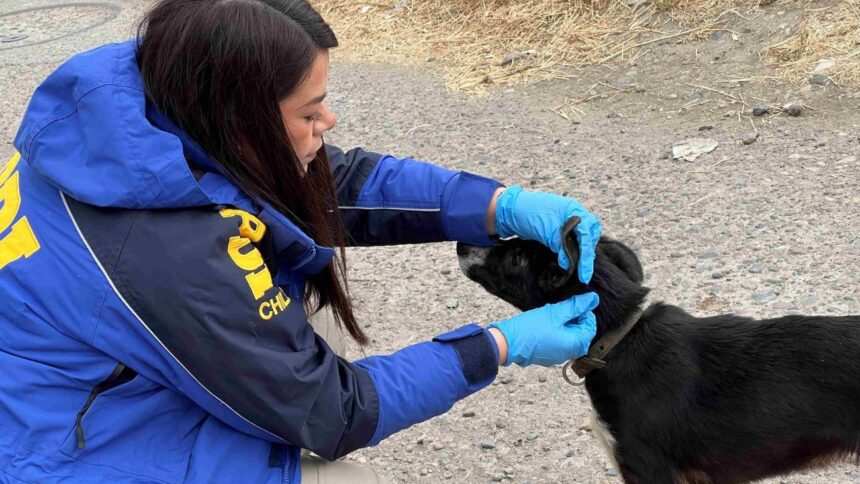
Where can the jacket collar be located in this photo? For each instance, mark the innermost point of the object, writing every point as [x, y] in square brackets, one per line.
[295, 249]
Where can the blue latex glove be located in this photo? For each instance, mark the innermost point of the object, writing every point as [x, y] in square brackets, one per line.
[552, 334]
[540, 216]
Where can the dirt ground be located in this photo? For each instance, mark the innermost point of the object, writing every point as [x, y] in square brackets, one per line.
[764, 229]
[760, 229]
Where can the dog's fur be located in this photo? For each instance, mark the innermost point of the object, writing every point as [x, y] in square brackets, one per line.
[722, 399]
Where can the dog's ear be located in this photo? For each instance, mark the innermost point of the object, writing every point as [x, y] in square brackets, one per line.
[623, 257]
[570, 246]
[553, 277]
[569, 243]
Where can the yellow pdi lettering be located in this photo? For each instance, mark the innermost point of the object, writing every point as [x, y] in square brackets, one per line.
[243, 253]
[20, 241]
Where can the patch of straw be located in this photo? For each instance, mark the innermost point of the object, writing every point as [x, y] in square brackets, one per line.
[478, 43]
[483, 42]
[828, 35]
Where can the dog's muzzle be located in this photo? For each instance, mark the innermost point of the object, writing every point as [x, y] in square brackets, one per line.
[470, 256]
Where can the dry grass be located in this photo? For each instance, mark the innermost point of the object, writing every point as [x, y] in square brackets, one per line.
[478, 43]
[827, 40]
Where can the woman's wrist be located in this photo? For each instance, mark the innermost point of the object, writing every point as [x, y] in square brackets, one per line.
[491, 211]
[501, 344]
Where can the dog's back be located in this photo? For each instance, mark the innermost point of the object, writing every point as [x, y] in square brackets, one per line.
[729, 398]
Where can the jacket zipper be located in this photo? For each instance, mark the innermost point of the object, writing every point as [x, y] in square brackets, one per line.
[121, 374]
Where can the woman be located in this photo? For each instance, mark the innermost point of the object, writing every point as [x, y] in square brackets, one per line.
[167, 228]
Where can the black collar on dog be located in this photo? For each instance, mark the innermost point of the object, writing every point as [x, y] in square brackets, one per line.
[596, 357]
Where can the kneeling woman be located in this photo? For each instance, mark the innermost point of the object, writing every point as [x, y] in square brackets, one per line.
[168, 224]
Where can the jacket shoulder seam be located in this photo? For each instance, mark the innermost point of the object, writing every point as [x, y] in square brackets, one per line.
[46, 124]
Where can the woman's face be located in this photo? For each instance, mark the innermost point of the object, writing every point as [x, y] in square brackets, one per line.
[305, 114]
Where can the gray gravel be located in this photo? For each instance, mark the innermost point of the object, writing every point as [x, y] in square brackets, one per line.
[761, 230]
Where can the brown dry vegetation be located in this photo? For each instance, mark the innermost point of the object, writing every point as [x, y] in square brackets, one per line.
[477, 43]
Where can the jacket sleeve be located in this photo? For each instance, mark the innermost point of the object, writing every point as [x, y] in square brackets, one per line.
[386, 200]
[193, 307]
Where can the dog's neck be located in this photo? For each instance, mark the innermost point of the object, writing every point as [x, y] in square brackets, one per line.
[603, 345]
[616, 309]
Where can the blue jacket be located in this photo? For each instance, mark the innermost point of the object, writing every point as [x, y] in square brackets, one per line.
[151, 324]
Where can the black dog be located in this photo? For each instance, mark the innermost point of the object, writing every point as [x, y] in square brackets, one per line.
[681, 399]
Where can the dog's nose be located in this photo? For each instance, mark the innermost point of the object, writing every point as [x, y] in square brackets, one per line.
[463, 249]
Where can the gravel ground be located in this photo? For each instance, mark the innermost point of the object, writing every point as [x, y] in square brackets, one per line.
[761, 230]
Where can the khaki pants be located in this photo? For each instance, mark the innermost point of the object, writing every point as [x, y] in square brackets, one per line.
[316, 470]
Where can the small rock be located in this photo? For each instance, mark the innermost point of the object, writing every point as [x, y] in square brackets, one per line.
[749, 138]
[488, 444]
[763, 297]
[794, 108]
[546, 448]
[611, 472]
[510, 57]
[531, 437]
[500, 424]
[569, 453]
[506, 379]
[448, 476]
[469, 413]
[719, 35]
[760, 110]
[707, 254]
[586, 425]
[452, 304]
[697, 96]
[438, 446]
[509, 471]
[809, 301]
[424, 472]
[498, 477]
[445, 271]
[755, 269]
[819, 80]
[824, 64]
[624, 81]
[673, 96]
[431, 59]
[706, 127]
[542, 378]
[717, 275]
[643, 213]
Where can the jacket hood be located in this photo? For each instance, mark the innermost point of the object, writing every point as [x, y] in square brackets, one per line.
[86, 131]
[90, 132]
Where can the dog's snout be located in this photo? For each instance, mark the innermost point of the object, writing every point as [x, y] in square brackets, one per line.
[463, 249]
[470, 256]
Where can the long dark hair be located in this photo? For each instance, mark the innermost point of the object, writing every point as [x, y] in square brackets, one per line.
[218, 69]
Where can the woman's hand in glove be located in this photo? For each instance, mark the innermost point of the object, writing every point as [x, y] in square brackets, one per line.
[549, 335]
[540, 216]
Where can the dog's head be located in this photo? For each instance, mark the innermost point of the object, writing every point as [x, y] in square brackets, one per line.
[526, 274]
